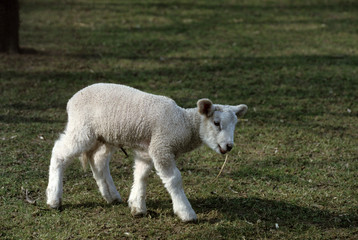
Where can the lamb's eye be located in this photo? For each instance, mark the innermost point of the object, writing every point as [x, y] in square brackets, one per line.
[216, 123]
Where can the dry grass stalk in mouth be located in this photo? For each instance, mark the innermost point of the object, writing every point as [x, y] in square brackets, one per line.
[222, 167]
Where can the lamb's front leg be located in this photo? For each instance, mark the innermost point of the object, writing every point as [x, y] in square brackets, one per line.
[171, 178]
[142, 166]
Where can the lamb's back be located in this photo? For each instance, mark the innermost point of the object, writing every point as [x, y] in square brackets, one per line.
[123, 114]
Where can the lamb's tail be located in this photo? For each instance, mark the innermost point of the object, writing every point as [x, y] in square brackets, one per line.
[87, 157]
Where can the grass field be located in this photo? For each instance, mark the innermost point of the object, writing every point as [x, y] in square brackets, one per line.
[293, 172]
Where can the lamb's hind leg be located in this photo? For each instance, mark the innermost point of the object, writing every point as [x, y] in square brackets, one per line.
[99, 162]
[142, 166]
[65, 149]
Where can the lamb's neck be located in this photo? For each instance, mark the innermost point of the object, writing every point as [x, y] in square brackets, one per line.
[194, 118]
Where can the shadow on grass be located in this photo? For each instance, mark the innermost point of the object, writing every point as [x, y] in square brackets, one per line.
[219, 64]
[89, 205]
[24, 119]
[255, 210]
[252, 12]
[251, 210]
[18, 116]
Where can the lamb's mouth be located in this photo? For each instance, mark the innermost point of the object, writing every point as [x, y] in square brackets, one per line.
[222, 151]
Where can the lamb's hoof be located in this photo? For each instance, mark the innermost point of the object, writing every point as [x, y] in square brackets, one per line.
[137, 213]
[113, 199]
[55, 204]
[187, 217]
[116, 201]
[193, 221]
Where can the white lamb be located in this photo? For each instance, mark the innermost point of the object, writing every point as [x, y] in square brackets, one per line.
[103, 117]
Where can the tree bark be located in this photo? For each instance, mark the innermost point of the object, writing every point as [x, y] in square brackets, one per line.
[9, 26]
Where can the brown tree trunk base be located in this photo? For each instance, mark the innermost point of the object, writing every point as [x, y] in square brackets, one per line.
[9, 26]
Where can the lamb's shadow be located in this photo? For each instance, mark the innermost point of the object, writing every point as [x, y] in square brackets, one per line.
[89, 205]
[271, 211]
[251, 210]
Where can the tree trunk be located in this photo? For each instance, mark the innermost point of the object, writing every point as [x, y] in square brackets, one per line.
[9, 26]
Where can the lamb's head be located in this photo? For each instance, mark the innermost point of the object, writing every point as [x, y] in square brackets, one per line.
[218, 124]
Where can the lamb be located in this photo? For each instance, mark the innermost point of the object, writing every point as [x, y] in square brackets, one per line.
[104, 117]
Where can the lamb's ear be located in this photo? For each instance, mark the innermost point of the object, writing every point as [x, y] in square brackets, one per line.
[240, 110]
[205, 107]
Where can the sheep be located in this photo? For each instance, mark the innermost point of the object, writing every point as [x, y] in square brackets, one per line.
[104, 117]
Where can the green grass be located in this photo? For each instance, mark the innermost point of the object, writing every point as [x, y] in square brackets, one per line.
[295, 163]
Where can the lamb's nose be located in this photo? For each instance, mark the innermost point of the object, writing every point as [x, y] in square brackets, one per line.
[229, 147]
